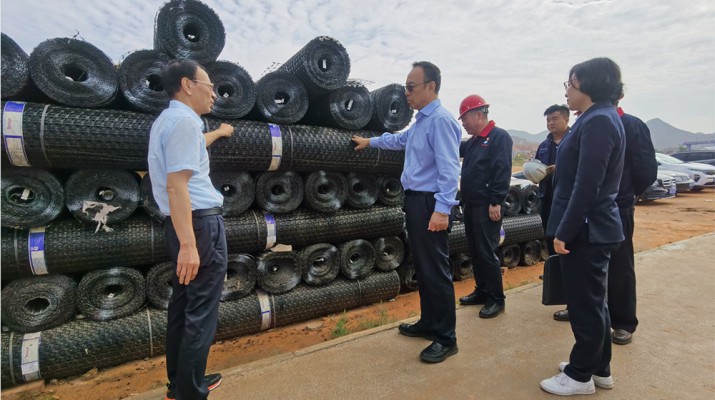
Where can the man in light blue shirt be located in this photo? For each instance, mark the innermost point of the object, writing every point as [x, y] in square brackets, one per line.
[429, 177]
[196, 237]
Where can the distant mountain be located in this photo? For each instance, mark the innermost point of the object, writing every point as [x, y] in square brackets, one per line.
[528, 137]
[666, 136]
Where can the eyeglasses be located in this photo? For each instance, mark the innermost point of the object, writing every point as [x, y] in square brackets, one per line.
[568, 84]
[209, 84]
[411, 86]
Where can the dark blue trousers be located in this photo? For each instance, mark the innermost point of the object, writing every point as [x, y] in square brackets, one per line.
[193, 308]
[585, 273]
[622, 279]
[483, 240]
[430, 254]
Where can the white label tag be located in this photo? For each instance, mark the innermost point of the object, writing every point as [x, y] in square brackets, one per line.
[270, 230]
[265, 302]
[12, 133]
[277, 149]
[36, 249]
[30, 360]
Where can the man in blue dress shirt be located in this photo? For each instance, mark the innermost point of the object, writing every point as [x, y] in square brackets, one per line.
[429, 177]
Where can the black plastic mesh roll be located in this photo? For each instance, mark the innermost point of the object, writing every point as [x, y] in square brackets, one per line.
[63, 137]
[104, 196]
[234, 87]
[240, 277]
[458, 238]
[73, 72]
[512, 202]
[15, 74]
[78, 346]
[461, 266]
[529, 195]
[389, 252]
[348, 107]
[530, 252]
[325, 191]
[321, 65]
[146, 193]
[362, 190]
[511, 254]
[189, 29]
[140, 80]
[280, 98]
[522, 228]
[408, 277]
[390, 192]
[158, 284]
[279, 192]
[111, 293]
[38, 303]
[391, 111]
[30, 197]
[320, 263]
[357, 258]
[238, 190]
[278, 272]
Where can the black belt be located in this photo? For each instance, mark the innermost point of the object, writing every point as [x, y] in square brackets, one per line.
[409, 192]
[205, 212]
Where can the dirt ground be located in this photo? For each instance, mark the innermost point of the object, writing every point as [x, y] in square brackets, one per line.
[657, 223]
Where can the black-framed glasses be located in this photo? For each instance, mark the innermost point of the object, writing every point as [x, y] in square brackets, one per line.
[411, 86]
[209, 84]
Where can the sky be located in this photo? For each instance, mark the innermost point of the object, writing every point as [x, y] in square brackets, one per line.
[514, 53]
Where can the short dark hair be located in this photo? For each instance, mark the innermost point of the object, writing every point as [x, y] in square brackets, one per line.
[175, 71]
[432, 73]
[600, 79]
[558, 108]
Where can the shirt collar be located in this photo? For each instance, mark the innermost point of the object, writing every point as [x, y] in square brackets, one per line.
[487, 129]
[429, 108]
[179, 105]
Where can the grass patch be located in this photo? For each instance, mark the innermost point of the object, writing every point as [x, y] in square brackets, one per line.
[382, 319]
[341, 328]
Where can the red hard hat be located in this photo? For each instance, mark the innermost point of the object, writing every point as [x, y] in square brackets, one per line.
[471, 102]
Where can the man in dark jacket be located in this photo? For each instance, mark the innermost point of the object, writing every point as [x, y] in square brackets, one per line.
[486, 174]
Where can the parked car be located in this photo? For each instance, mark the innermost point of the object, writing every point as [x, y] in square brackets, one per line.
[682, 180]
[702, 174]
[663, 188]
[701, 156]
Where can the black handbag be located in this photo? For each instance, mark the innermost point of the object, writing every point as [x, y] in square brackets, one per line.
[553, 288]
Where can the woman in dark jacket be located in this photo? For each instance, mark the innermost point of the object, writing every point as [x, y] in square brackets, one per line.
[585, 221]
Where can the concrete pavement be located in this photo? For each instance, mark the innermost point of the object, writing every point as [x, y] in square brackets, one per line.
[672, 355]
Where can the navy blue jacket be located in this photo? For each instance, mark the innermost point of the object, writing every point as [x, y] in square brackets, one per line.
[546, 153]
[486, 168]
[640, 169]
[588, 172]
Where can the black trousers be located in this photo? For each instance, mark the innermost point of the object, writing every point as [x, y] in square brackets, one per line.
[585, 273]
[622, 279]
[430, 255]
[545, 212]
[193, 308]
[483, 240]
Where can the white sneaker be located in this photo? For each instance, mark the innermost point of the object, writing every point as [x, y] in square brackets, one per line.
[563, 385]
[604, 382]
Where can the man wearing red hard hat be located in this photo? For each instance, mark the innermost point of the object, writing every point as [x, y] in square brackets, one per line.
[486, 175]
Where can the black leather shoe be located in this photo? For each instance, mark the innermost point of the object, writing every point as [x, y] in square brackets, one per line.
[437, 352]
[561, 315]
[415, 330]
[491, 310]
[476, 297]
[620, 336]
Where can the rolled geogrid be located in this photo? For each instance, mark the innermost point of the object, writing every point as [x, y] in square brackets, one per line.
[320, 263]
[280, 98]
[511, 254]
[74, 72]
[38, 303]
[140, 80]
[68, 246]
[390, 192]
[362, 190]
[238, 190]
[240, 277]
[389, 253]
[321, 65]
[111, 293]
[234, 88]
[31, 197]
[357, 258]
[15, 73]
[512, 202]
[62, 137]
[529, 195]
[522, 228]
[189, 29]
[530, 252]
[408, 277]
[461, 266]
[158, 284]
[148, 203]
[391, 112]
[279, 192]
[104, 196]
[278, 272]
[347, 107]
[325, 191]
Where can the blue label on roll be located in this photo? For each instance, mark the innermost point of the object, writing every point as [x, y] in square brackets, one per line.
[36, 250]
[502, 235]
[12, 106]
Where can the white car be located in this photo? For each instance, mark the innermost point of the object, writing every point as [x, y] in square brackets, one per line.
[682, 180]
[702, 174]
